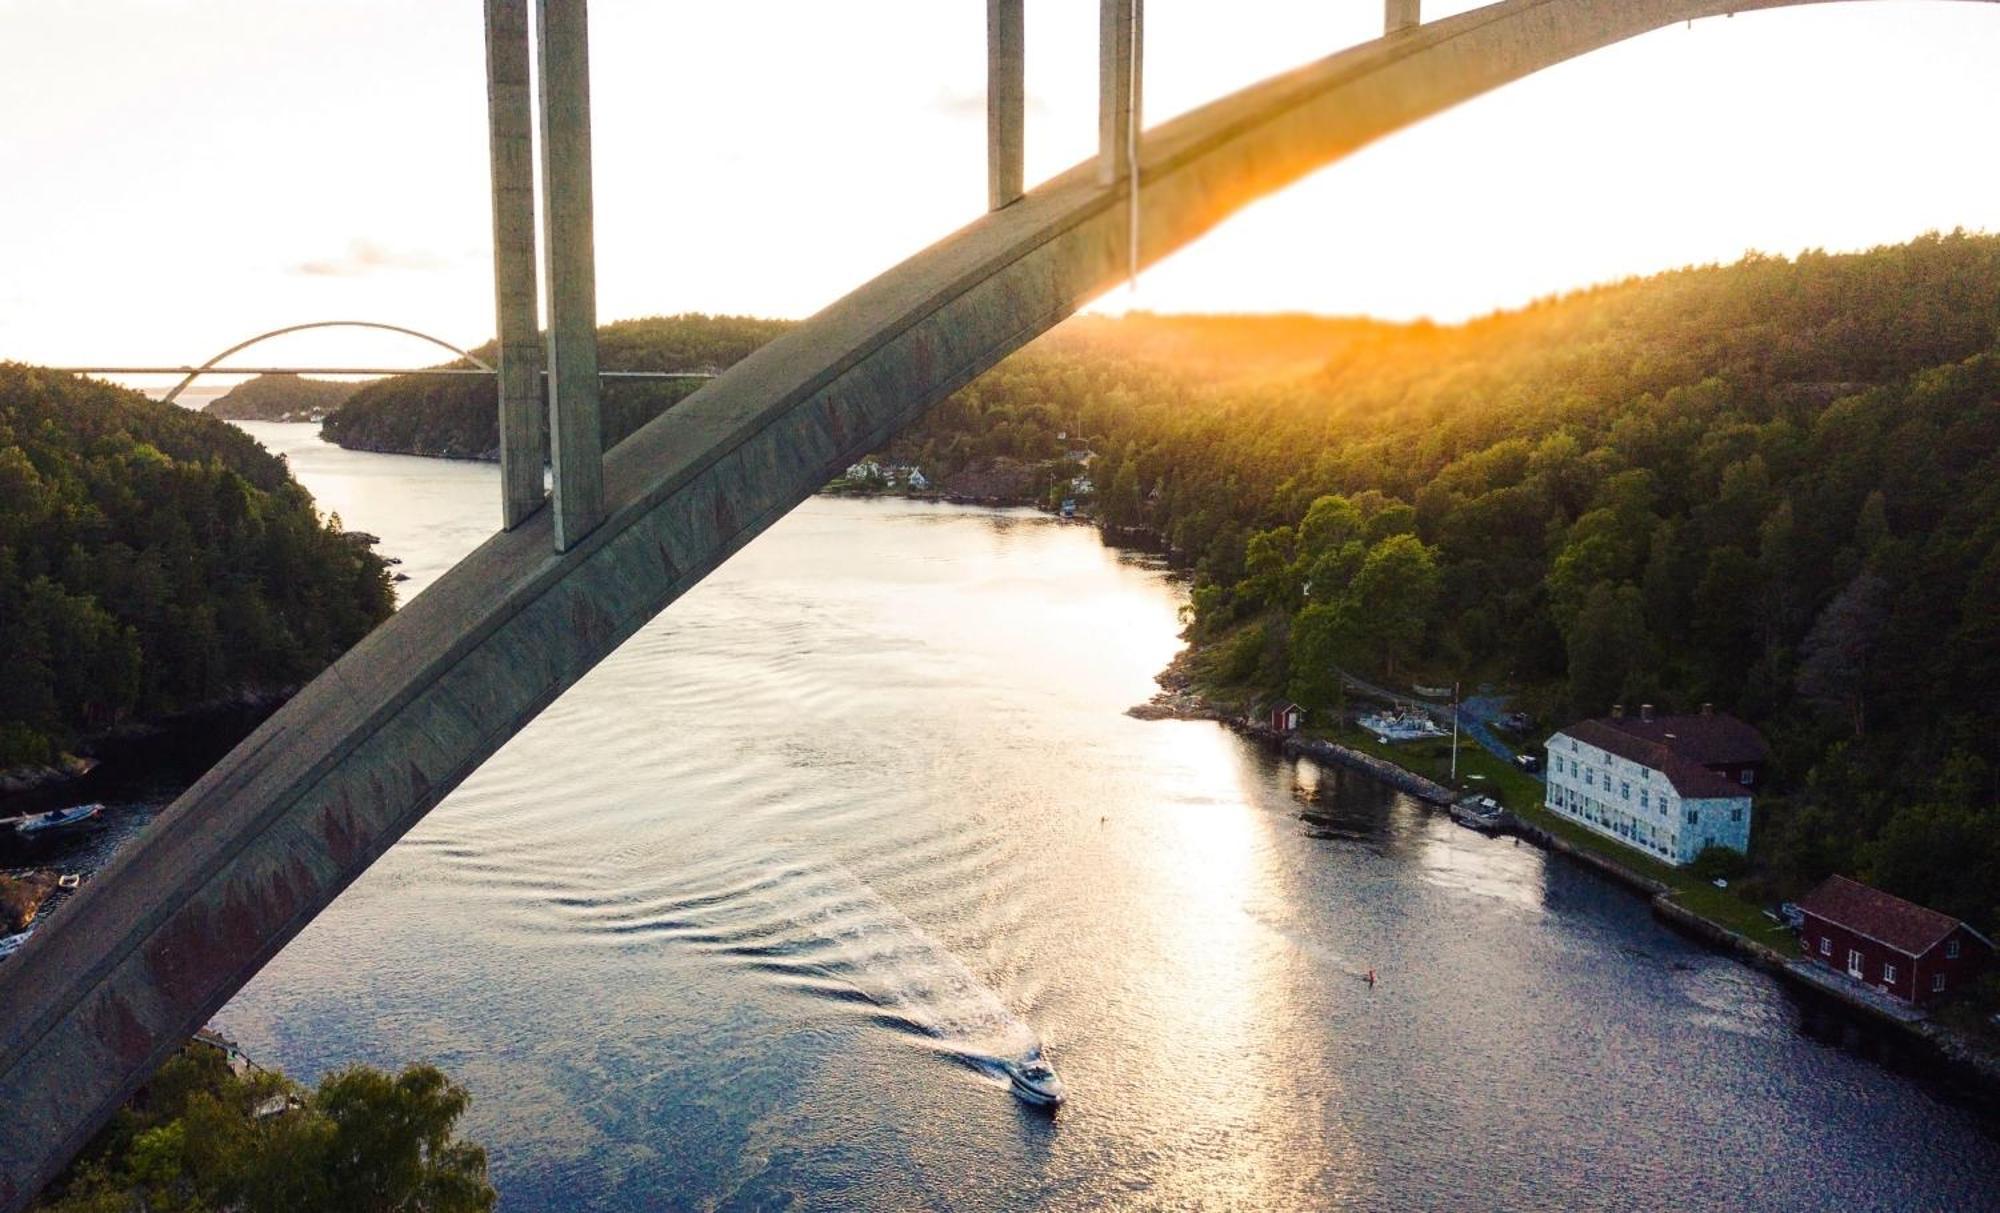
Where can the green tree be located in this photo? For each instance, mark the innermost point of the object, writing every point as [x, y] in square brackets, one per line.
[1606, 643]
[1394, 595]
[198, 1137]
[392, 1146]
[1323, 637]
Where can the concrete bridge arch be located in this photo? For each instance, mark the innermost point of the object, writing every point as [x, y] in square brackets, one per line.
[243, 860]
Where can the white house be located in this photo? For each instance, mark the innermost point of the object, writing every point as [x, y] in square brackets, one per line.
[1665, 785]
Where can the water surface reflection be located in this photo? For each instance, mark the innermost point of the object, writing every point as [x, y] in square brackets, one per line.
[734, 922]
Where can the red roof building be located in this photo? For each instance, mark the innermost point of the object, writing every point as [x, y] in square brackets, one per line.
[1895, 946]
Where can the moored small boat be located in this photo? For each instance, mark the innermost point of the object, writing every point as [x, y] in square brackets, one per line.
[1480, 813]
[56, 819]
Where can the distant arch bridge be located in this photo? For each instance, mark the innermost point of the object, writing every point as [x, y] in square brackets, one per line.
[243, 860]
[479, 365]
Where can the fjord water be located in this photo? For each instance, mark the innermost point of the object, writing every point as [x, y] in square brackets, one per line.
[749, 918]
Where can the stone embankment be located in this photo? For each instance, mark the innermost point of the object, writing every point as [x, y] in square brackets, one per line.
[1328, 753]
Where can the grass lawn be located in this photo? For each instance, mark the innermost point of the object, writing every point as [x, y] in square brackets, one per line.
[1522, 794]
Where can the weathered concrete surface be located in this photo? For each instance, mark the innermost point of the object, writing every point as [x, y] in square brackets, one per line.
[510, 116]
[1006, 102]
[241, 862]
[569, 275]
[1120, 41]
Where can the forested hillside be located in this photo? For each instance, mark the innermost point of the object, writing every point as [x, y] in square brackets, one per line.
[455, 416]
[153, 559]
[1774, 486]
[281, 398]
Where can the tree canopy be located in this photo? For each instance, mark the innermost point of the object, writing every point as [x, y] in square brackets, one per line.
[1773, 486]
[199, 1136]
[153, 559]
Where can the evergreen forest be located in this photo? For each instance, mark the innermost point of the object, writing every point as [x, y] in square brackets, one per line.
[155, 560]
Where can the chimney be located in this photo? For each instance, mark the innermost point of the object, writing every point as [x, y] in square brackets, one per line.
[1645, 711]
[1708, 709]
[1617, 711]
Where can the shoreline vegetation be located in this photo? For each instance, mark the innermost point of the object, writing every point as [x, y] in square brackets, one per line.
[212, 1129]
[160, 572]
[281, 397]
[1773, 486]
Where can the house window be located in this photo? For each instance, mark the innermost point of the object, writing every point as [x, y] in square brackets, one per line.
[1694, 817]
[1736, 814]
[1937, 984]
[1590, 779]
[1745, 777]
[1625, 790]
[1951, 950]
[1853, 962]
[1888, 974]
[1645, 799]
[1826, 945]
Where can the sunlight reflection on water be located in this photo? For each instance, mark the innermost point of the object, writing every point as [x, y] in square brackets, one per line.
[702, 935]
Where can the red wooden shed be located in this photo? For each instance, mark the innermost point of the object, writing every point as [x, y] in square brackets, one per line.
[1895, 946]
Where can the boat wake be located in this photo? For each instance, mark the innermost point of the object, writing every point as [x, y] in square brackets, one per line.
[828, 932]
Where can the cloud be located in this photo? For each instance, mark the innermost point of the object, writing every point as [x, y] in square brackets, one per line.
[368, 257]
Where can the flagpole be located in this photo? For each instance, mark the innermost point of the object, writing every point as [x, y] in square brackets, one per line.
[1454, 734]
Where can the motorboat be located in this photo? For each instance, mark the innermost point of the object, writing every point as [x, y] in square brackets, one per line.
[1480, 813]
[1035, 1081]
[56, 819]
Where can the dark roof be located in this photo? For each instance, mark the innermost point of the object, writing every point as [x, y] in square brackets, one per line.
[1711, 740]
[1883, 917]
[1690, 778]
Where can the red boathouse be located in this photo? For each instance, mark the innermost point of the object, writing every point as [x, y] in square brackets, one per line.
[1882, 941]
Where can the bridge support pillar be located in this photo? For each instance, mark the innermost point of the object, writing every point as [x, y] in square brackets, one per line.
[1005, 102]
[570, 271]
[1401, 14]
[510, 123]
[1119, 30]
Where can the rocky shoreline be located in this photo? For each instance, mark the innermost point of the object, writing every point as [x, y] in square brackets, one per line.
[174, 750]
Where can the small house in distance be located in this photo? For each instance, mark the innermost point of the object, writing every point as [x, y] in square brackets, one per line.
[1285, 717]
[1895, 946]
[1670, 786]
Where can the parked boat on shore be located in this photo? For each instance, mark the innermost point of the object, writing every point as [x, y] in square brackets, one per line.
[1400, 726]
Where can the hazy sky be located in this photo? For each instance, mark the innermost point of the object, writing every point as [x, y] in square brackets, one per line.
[176, 175]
